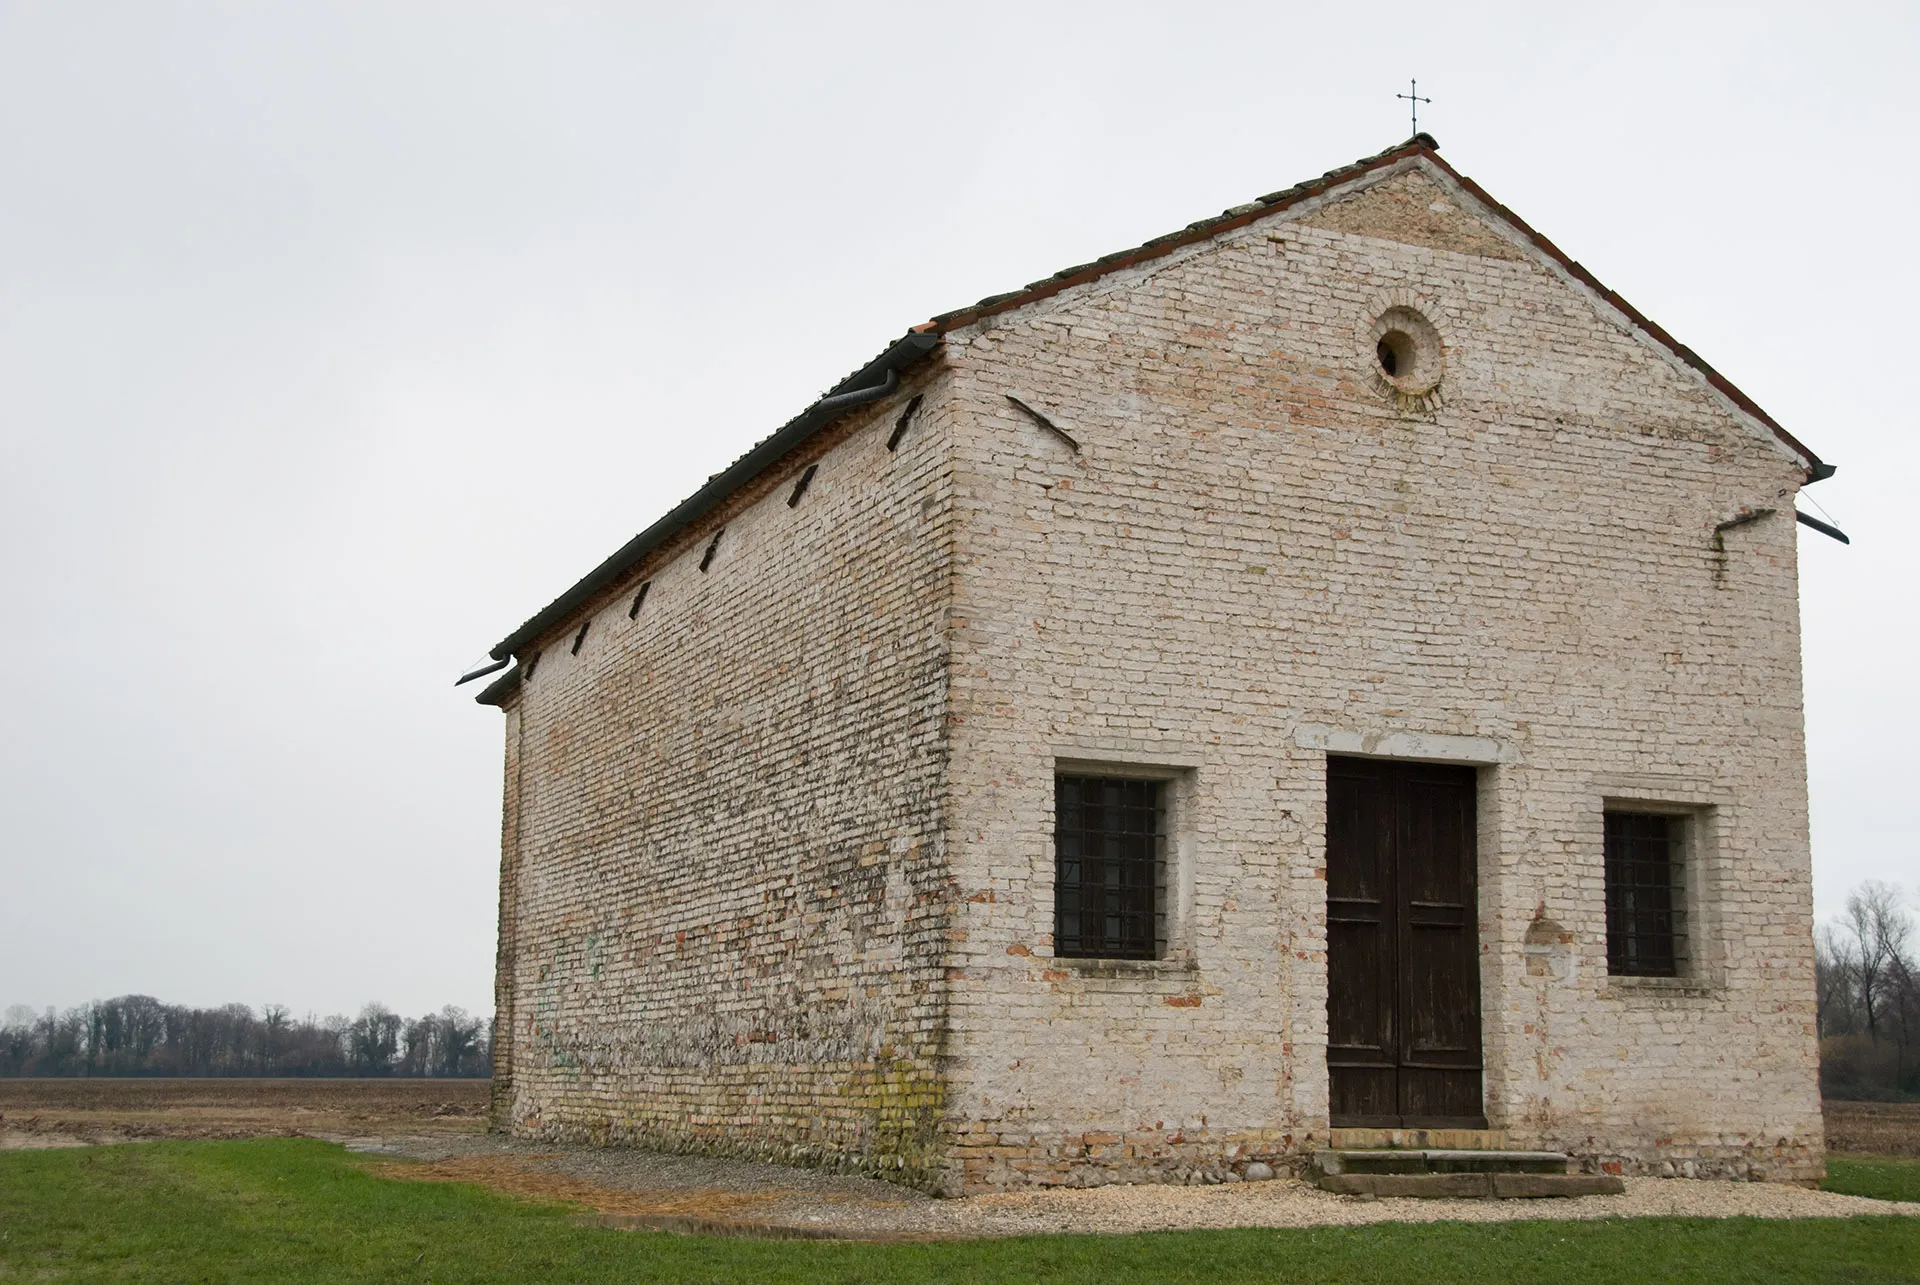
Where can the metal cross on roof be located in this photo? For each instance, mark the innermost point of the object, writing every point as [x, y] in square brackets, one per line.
[1414, 100]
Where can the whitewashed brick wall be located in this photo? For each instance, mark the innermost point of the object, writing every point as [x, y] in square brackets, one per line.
[1252, 542]
[778, 868]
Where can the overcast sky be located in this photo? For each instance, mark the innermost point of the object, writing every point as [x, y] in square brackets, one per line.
[336, 339]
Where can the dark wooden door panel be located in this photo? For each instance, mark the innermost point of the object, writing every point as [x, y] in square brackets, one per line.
[1403, 974]
[1436, 829]
[1360, 928]
[1440, 1024]
[1439, 1099]
[1367, 1096]
[1358, 1019]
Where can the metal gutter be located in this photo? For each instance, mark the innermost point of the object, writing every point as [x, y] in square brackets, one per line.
[857, 389]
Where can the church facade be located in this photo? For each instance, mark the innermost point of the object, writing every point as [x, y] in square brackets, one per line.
[1330, 675]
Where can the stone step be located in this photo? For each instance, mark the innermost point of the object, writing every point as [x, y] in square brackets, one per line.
[1435, 1161]
[1471, 1186]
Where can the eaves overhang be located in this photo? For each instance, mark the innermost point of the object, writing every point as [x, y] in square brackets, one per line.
[501, 689]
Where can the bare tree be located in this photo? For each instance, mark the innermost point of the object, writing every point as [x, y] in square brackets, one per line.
[1867, 988]
[1836, 986]
[1880, 930]
[139, 1035]
[17, 1042]
[373, 1040]
[419, 1041]
[273, 1036]
[459, 1041]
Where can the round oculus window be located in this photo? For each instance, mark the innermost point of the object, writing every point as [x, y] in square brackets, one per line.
[1407, 356]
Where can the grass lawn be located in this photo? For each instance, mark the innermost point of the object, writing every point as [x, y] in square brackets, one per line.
[299, 1210]
[1882, 1177]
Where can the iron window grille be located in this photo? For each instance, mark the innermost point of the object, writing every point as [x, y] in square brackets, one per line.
[1110, 868]
[1646, 897]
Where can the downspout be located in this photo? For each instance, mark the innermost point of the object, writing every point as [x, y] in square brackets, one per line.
[483, 671]
[1824, 528]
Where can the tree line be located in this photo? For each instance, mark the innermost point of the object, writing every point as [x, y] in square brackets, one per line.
[1869, 998]
[139, 1035]
[1867, 980]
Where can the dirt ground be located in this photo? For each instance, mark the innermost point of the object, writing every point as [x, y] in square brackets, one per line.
[78, 1112]
[1873, 1128]
[433, 1131]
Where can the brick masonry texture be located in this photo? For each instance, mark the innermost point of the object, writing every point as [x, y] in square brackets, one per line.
[722, 878]
[777, 875]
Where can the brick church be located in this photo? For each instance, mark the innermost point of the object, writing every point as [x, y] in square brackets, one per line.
[1328, 677]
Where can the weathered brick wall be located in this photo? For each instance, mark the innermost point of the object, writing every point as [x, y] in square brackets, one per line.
[1255, 556]
[500, 1099]
[757, 899]
[723, 883]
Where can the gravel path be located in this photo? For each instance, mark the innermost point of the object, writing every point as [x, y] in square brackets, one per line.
[642, 1188]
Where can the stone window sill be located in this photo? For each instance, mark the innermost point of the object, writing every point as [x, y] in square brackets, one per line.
[1661, 988]
[1141, 969]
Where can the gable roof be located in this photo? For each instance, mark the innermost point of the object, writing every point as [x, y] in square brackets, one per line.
[881, 375]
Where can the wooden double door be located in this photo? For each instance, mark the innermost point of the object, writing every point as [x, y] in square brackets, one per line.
[1403, 966]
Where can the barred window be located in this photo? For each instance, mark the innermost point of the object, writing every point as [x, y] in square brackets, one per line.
[1110, 868]
[1646, 898]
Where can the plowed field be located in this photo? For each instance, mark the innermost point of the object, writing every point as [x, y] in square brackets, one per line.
[67, 1112]
[1874, 1128]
